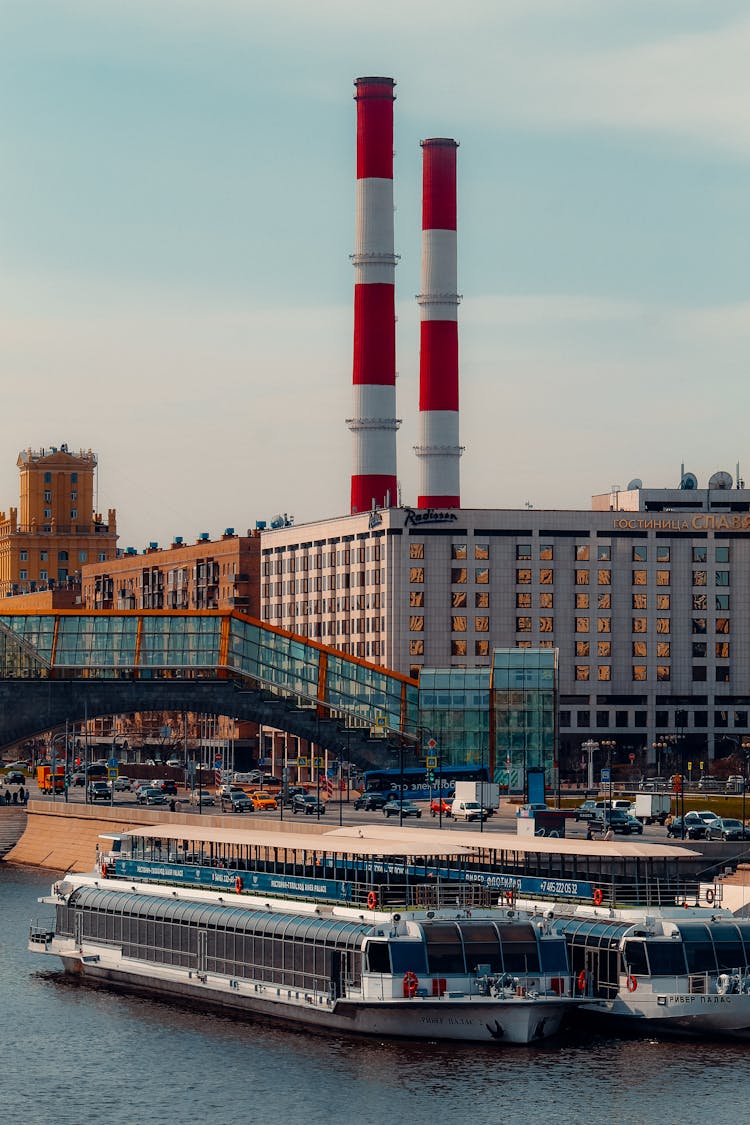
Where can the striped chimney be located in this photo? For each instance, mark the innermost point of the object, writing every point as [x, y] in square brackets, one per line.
[374, 424]
[438, 450]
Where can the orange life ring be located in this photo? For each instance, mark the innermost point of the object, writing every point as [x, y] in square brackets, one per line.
[372, 900]
[411, 983]
[238, 884]
[582, 981]
[632, 984]
[104, 871]
[598, 897]
[509, 897]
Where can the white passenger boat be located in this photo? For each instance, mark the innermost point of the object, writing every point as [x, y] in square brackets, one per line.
[347, 934]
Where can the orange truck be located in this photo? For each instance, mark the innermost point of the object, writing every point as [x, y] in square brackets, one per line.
[49, 782]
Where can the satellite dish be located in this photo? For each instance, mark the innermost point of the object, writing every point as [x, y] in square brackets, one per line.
[689, 481]
[635, 484]
[721, 480]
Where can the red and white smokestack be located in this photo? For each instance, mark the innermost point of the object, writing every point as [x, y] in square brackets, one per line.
[374, 424]
[439, 450]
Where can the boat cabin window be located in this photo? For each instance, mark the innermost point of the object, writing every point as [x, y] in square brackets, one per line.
[666, 958]
[554, 956]
[520, 951]
[730, 953]
[635, 957]
[408, 956]
[378, 960]
[699, 949]
[445, 953]
[481, 946]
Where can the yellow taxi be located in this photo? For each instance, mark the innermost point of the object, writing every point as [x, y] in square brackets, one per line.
[263, 801]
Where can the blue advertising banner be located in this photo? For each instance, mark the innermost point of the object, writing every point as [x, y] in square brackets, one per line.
[218, 878]
[532, 886]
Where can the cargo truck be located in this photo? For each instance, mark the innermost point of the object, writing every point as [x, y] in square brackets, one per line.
[650, 807]
[50, 782]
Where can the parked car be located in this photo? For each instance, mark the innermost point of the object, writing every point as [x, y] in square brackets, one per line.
[263, 801]
[168, 787]
[440, 805]
[237, 801]
[653, 784]
[727, 829]
[586, 811]
[709, 784]
[735, 783]
[695, 825]
[307, 803]
[121, 785]
[98, 791]
[615, 819]
[14, 777]
[403, 808]
[371, 802]
[174, 763]
[151, 795]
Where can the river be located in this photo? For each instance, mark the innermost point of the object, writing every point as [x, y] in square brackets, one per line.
[73, 1054]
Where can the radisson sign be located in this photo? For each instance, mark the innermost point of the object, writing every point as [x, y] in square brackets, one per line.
[701, 521]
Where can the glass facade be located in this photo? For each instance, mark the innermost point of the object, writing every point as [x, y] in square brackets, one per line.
[454, 709]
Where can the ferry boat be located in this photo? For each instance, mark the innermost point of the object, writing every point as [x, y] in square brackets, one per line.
[345, 933]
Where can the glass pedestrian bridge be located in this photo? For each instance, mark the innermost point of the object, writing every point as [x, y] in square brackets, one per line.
[164, 645]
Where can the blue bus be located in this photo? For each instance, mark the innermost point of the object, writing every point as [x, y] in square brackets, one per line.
[416, 785]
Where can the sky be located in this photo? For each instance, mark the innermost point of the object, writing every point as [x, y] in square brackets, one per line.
[177, 213]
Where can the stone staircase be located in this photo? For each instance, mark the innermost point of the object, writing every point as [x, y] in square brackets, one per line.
[12, 827]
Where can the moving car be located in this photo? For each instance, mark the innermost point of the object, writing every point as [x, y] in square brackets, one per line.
[121, 785]
[150, 795]
[726, 829]
[14, 777]
[440, 805]
[586, 811]
[236, 801]
[636, 826]
[197, 797]
[263, 801]
[168, 787]
[371, 801]
[615, 819]
[307, 803]
[696, 824]
[98, 791]
[402, 808]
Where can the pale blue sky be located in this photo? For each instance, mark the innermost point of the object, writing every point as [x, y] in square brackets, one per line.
[177, 212]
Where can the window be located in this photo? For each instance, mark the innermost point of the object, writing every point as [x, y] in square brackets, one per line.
[664, 650]
[603, 648]
[23, 575]
[42, 556]
[582, 552]
[458, 574]
[583, 672]
[416, 550]
[416, 648]
[82, 556]
[481, 648]
[416, 574]
[699, 649]
[640, 601]
[416, 599]
[458, 599]
[42, 575]
[640, 649]
[523, 624]
[458, 648]
[458, 623]
[546, 576]
[546, 552]
[48, 513]
[481, 624]
[722, 624]
[604, 625]
[662, 578]
[481, 575]
[481, 550]
[74, 478]
[582, 648]
[700, 554]
[722, 554]
[74, 497]
[602, 718]
[604, 601]
[24, 556]
[458, 551]
[545, 624]
[722, 674]
[604, 577]
[662, 553]
[546, 599]
[603, 554]
[699, 625]
[639, 577]
[414, 670]
[604, 672]
[740, 718]
[663, 672]
[48, 478]
[663, 601]
[62, 556]
[582, 601]
[722, 577]
[639, 554]
[74, 513]
[722, 601]
[699, 577]
[565, 718]
[663, 625]
[722, 650]
[639, 672]
[582, 624]
[416, 623]
[523, 577]
[700, 603]
[582, 578]
[523, 551]
[523, 601]
[639, 625]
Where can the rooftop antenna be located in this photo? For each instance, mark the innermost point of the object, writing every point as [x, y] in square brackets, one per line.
[740, 481]
[528, 504]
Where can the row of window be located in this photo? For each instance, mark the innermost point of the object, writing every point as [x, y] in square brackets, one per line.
[347, 556]
[48, 496]
[639, 673]
[62, 556]
[546, 577]
[48, 478]
[582, 552]
[662, 719]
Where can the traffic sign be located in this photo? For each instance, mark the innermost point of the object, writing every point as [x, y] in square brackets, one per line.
[112, 773]
[632, 757]
[432, 744]
[301, 763]
[430, 763]
[318, 763]
[113, 763]
[606, 775]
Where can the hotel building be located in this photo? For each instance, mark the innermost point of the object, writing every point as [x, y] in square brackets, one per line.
[645, 597]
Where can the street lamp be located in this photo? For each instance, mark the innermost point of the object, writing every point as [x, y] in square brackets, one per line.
[609, 745]
[590, 747]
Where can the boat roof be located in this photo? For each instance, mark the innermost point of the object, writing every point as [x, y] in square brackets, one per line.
[505, 841]
[418, 844]
[402, 841]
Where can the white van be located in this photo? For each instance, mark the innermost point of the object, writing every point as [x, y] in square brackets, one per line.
[604, 806]
[468, 810]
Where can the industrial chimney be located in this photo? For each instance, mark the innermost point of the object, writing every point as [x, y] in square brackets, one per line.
[438, 450]
[374, 424]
